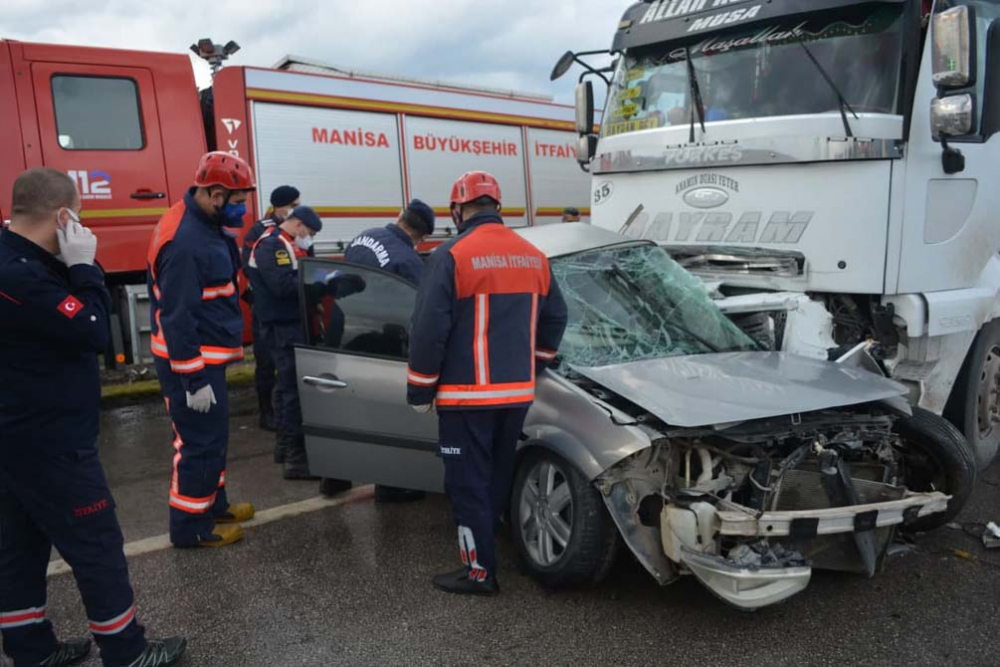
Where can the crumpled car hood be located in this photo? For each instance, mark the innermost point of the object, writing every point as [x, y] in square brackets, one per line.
[703, 390]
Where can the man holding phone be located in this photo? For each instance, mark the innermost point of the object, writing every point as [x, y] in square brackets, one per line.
[53, 491]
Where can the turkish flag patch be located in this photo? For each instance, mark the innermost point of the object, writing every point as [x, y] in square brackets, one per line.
[71, 307]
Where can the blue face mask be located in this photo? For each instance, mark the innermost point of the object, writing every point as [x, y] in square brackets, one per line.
[232, 215]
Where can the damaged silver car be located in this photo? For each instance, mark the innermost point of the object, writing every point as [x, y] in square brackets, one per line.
[661, 426]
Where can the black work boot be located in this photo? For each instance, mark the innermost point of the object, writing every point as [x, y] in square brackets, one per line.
[331, 487]
[392, 494]
[280, 448]
[297, 461]
[72, 652]
[460, 583]
[267, 421]
[161, 653]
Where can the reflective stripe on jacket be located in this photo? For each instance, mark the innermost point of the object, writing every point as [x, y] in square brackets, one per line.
[196, 317]
[488, 315]
[274, 276]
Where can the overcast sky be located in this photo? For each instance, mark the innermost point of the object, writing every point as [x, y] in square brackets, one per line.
[509, 44]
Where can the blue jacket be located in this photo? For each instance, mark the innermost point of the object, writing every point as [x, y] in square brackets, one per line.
[274, 276]
[387, 248]
[489, 316]
[54, 324]
[193, 265]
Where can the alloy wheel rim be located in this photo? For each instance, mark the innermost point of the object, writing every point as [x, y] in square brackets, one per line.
[546, 513]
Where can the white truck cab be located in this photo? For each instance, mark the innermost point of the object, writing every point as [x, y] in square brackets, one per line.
[830, 168]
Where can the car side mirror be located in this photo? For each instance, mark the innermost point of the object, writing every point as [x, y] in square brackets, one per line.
[955, 57]
[585, 108]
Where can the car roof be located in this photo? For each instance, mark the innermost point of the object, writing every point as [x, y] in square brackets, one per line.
[568, 238]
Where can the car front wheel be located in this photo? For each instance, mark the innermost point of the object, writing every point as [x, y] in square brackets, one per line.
[937, 458]
[562, 529]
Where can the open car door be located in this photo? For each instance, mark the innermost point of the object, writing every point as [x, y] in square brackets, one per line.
[352, 379]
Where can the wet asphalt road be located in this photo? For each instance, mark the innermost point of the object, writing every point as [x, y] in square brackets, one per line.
[349, 585]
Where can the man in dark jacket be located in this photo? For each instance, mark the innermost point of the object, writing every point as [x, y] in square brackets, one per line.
[197, 331]
[284, 198]
[393, 248]
[274, 268]
[53, 491]
[489, 317]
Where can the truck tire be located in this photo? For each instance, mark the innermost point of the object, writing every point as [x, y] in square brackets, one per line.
[937, 458]
[975, 401]
[564, 535]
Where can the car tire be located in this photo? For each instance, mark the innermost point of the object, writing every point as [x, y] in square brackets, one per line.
[593, 539]
[937, 458]
[976, 396]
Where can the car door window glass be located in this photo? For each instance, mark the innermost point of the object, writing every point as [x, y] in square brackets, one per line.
[356, 309]
[97, 113]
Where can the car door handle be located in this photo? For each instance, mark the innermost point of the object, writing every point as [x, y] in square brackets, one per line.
[145, 194]
[325, 383]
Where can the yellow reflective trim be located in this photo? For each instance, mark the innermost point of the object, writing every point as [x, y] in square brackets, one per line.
[415, 109]
[89, 214]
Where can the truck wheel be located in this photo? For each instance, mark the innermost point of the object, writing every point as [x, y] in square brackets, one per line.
[937, 458]
[974, 406]
[563, 532]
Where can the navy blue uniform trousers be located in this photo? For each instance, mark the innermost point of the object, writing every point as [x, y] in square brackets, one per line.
[478, 448]
[201, 441]
[282, 338]
[265, 369]
[57, 494]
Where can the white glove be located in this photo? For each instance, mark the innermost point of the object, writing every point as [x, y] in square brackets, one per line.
[423, 409]
[201, 400]
[77, 244]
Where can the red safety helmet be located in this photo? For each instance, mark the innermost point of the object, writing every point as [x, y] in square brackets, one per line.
[473, 185]
[225, 170]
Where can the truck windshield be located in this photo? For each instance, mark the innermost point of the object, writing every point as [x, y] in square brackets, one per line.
[629, 303]
[763, 71]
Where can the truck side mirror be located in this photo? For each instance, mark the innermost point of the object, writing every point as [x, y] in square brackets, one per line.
[953, 116]
[562, 65]
[954, 67]
[954, 60]
[585, 108]
[586, 149]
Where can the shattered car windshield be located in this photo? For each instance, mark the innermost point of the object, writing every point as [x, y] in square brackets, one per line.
[629, 303]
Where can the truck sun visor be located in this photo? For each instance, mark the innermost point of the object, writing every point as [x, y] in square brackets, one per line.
[648, 23]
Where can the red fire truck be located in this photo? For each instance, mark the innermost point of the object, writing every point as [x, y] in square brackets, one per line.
[130, 126]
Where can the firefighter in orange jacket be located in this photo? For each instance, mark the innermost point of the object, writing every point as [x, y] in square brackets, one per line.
[489, 316]
[197, 332]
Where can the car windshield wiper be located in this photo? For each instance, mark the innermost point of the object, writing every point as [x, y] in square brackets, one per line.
[694, 90]
[841, 100]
